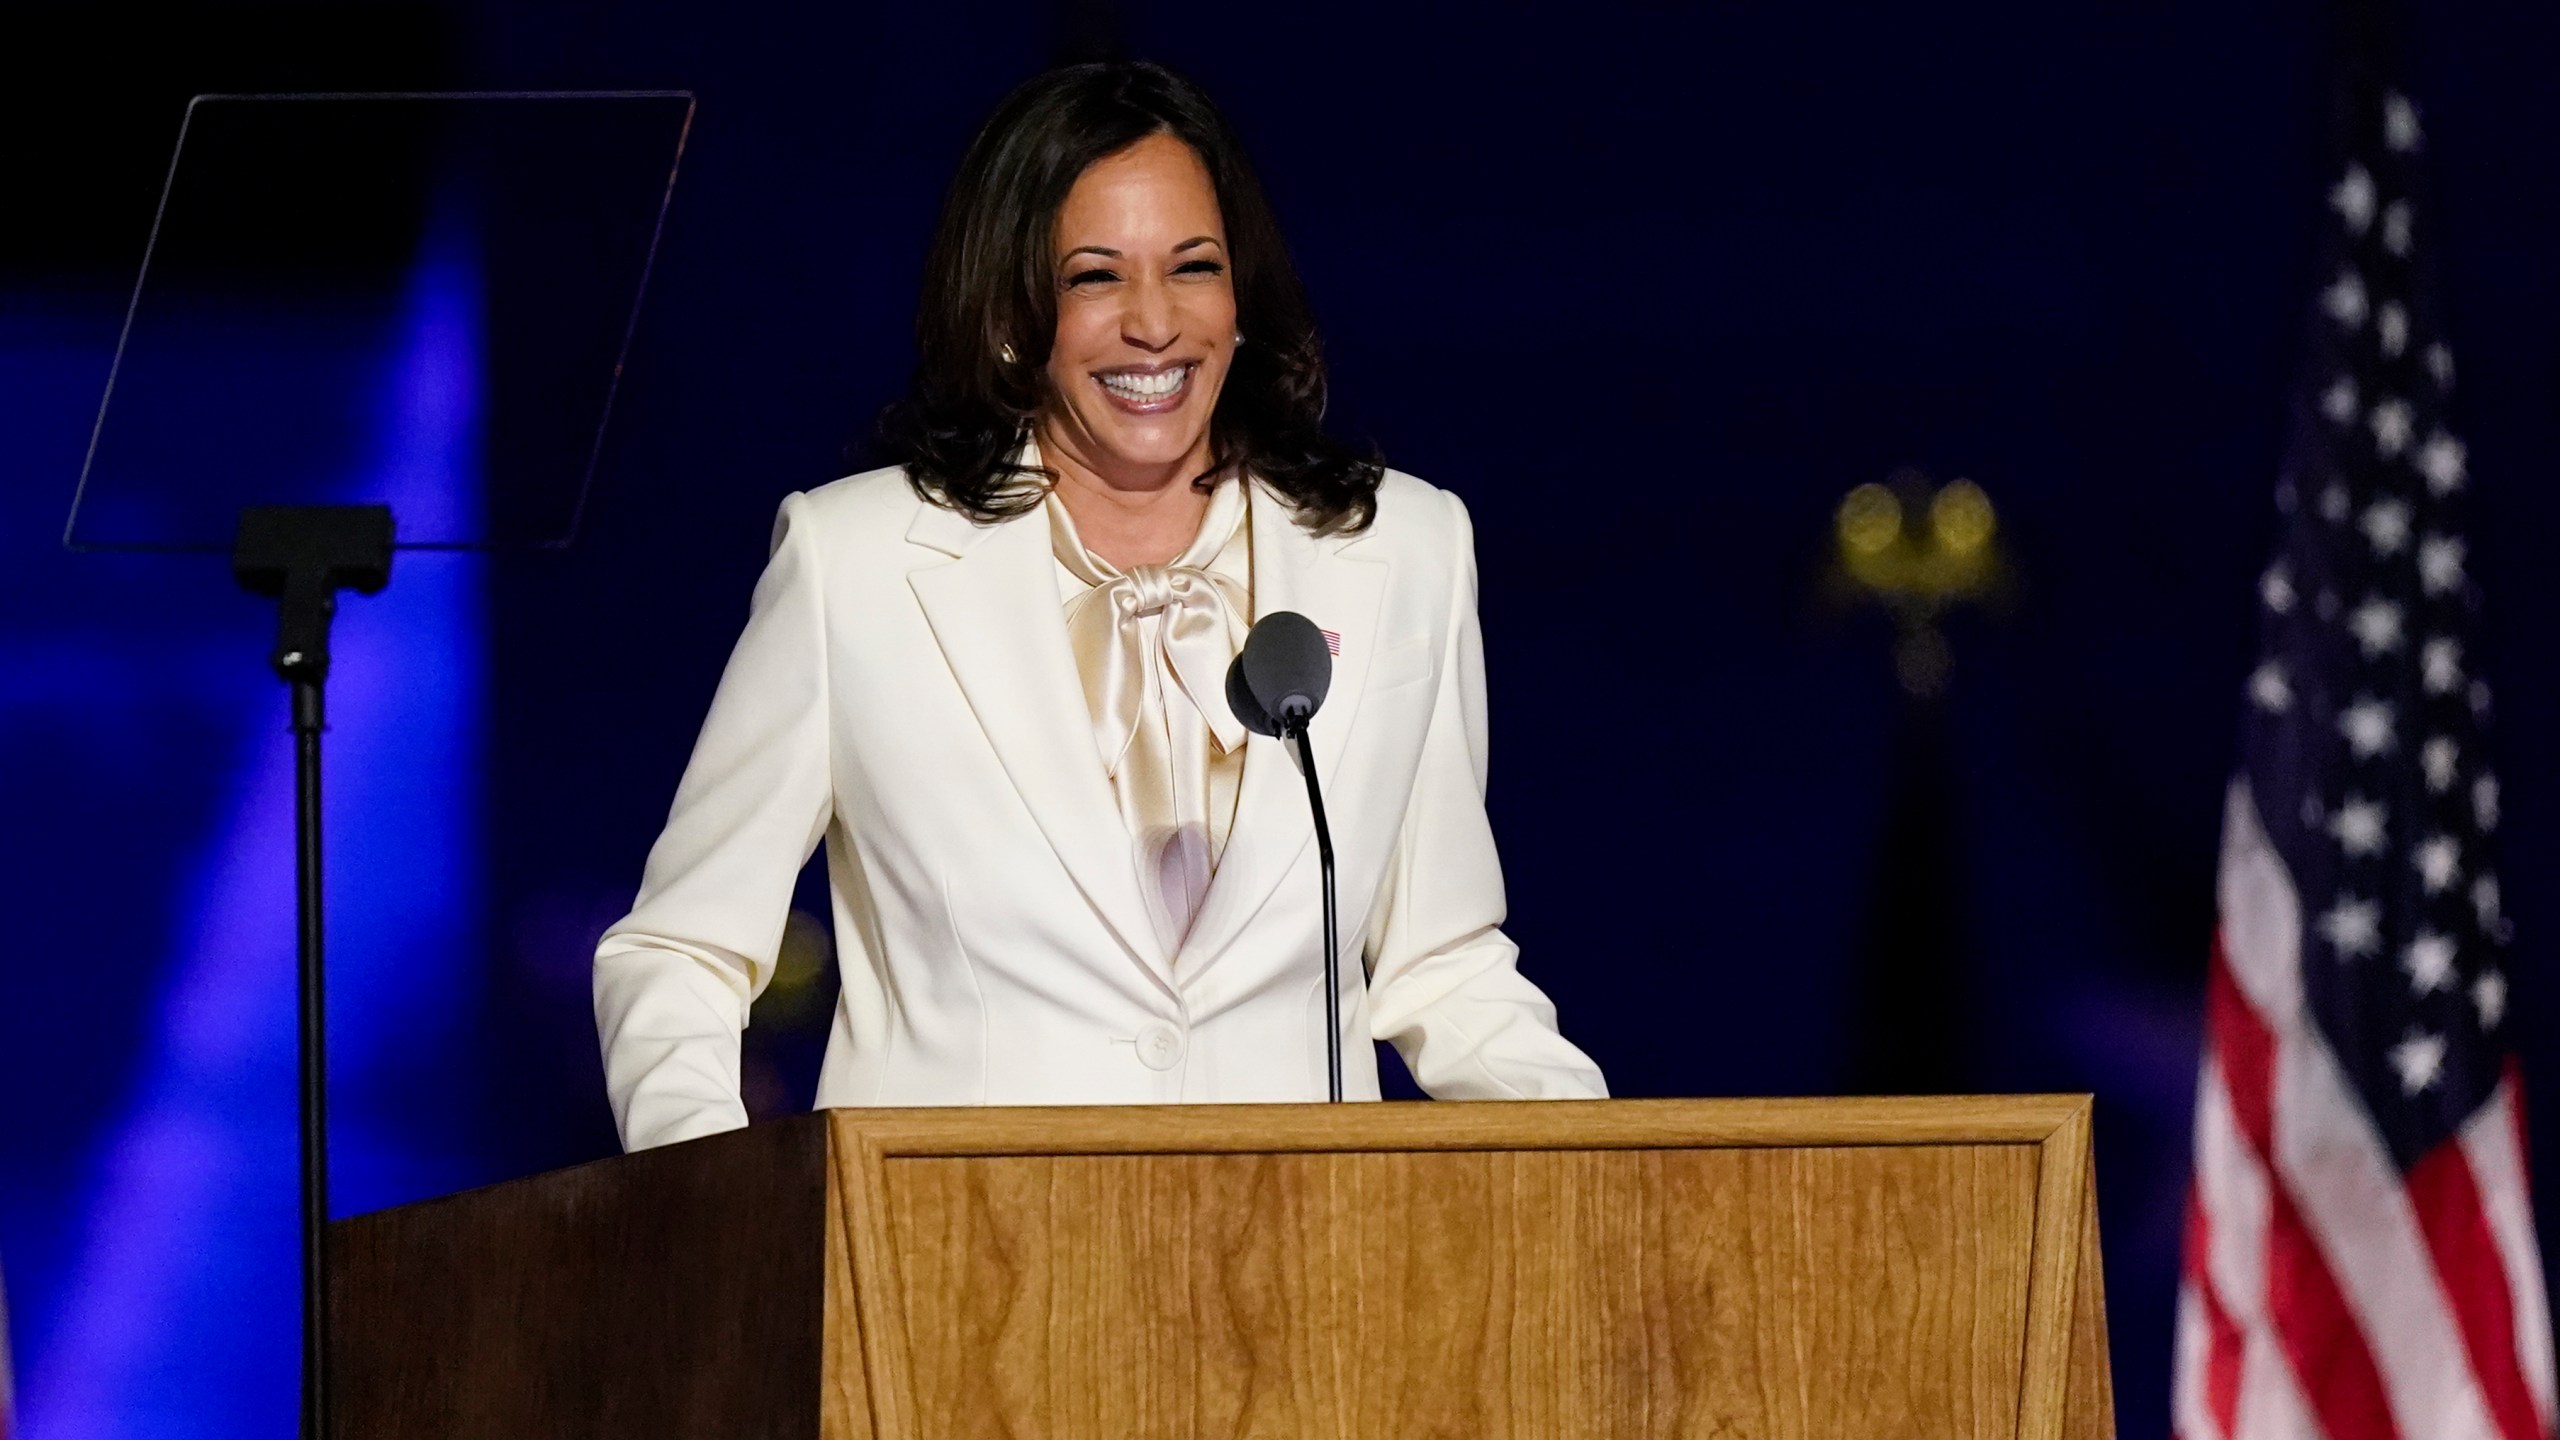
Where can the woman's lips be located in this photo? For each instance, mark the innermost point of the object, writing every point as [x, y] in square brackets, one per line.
[1148, 392]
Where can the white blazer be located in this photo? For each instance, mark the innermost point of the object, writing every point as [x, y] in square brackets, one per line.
[904, 689]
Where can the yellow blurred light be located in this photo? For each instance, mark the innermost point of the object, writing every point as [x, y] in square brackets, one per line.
[806, 949]
[1870, 520]
[1960, 516]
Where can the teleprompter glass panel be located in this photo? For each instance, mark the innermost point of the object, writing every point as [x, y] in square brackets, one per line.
[343, 293]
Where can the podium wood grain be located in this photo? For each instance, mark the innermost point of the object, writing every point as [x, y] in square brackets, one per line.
[1823, 1269]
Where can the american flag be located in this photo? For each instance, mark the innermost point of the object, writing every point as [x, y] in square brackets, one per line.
[2360, 1253]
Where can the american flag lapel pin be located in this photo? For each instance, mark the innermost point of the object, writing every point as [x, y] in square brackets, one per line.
[1332, 643]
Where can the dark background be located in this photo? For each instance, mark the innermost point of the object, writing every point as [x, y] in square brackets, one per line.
[1650, 287]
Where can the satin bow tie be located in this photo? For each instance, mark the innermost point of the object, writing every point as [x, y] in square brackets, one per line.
[1192, 618]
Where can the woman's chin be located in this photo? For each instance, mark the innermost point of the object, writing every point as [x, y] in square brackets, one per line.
[1120, 448]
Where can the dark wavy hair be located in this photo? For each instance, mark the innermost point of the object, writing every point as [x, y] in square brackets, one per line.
[990, 282]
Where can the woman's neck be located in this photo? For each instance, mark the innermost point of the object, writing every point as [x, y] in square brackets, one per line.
[1149, 522]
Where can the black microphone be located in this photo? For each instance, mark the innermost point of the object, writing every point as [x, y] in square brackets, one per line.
[1275, 686]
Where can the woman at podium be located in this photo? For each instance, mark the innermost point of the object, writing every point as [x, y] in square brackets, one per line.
[990, 678]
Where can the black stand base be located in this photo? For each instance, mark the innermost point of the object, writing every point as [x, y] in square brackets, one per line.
[302, 556]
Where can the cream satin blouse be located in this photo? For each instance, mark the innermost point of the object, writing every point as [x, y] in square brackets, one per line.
[1152, 646]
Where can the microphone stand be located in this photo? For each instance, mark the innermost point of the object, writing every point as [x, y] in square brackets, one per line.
[1297, 731]
[302, 556]
[1286, 659]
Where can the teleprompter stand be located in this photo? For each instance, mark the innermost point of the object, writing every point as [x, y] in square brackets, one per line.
[351, 304]
[301, 556]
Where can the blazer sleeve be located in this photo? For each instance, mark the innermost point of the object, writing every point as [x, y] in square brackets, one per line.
[1444, 987]
[674, 978]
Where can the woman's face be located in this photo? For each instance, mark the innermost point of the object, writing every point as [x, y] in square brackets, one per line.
[1146, 317]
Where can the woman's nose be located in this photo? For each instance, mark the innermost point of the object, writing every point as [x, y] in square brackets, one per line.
[1151, 321]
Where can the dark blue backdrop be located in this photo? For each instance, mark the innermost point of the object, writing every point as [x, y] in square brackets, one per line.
[1649, 287]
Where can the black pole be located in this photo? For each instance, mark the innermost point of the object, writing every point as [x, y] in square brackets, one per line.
[1909, 1030]
[303, 555]
[1332, 931]
[307, 725]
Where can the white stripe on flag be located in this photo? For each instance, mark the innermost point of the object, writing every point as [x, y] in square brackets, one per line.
[2190, 1418]
[2343, 1182]
[2233, 1189]
[2261, 918]
[2489, 1143]
[2271, 1402]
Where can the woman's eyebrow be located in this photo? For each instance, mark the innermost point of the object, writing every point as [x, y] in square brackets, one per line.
[1194, 243]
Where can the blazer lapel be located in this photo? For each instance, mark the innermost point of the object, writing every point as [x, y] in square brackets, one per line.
[996, 614]
[1340, 592]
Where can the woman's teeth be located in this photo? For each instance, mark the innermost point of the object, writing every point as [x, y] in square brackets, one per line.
[1142, 386]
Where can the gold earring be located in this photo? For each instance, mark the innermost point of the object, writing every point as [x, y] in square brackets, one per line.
[1005, 354]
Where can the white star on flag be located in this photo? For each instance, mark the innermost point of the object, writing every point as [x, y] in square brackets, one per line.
[2338, 402]
[2440, 363]
[2368, 728]
[2484, 899]
[2440, 662]
[2395, 236]
[2489, 997]
[2439, 758]
[2353, 198]
[2484, 801]
[2440, 564]
[2277, 590]
[2376, 624]
[2358, 826]
[2419, 1059]
[2429, 961]
[2268, 688]
[2400, 123]
[2352, 927]
[2391, 327]
[2439, 862]
[2391, 427]
[2443, 461]
[2386, 525]
[2345, 299]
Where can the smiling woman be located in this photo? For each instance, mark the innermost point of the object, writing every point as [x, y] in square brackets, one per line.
[1107, 226]
[991, 677]
[1145, 331]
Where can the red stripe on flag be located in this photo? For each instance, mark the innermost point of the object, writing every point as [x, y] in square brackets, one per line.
[2451, 1215]
[2515, 1106]
[2331, 1360]
[2514, 1082]
[2246, 1050]
[2225, 1346]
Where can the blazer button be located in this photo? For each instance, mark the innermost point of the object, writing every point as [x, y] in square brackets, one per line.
[1159, 1045]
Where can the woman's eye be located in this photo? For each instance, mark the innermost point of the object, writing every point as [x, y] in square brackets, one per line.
[1082, 277]
[1200, 267]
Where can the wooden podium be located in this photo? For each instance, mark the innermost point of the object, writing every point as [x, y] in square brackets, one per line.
[1744, 1268]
